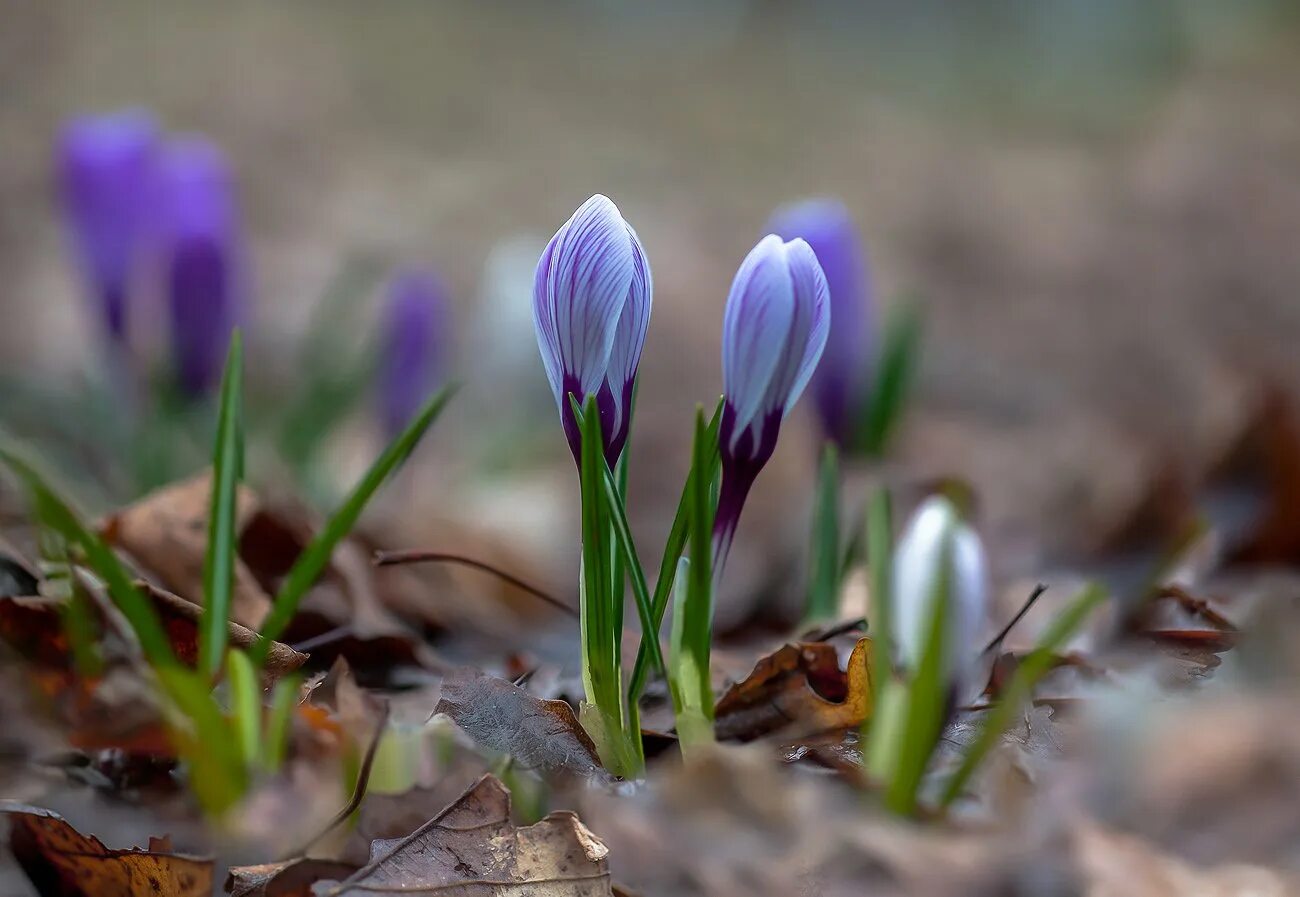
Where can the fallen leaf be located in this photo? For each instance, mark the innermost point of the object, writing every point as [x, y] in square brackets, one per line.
[471, 846]
[289, 879]
[798, 690]
[181, 621]
[166, 532]
[61, 861]
[502, 717]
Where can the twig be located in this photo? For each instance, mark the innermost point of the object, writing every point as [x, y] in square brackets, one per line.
[390, 558]
[358, 792]
[1020, 615]
[329, 637]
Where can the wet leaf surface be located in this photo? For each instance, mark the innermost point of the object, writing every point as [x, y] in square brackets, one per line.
[62, 862]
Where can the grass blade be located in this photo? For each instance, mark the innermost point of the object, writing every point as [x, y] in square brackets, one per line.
[673, 548]
[824, 584]
[899, 353]
[284, 698]
[219, 562]
[693, 618]
[245, 706]
[640, 590]
[880, 555]
[58, 515]
[1021, 686]
[316, 556]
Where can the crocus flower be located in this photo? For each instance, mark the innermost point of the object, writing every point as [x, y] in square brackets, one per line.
[842, 381]
[104, 170]
[773, 332]
[936, 536]
[591, 307]
[412, 344]
[199, 236]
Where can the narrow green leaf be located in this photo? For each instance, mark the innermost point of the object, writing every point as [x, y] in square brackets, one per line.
[640, 591]
[693, 620]
[245, 706]
[673, 548]
[824, 584]
[219, 562]
[216, 771]
[284, 698]
[1021, 686]
[880, 555]
[900, 351]
[55, 513]
[316, 556]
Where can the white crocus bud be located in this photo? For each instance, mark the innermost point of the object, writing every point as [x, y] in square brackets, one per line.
[936, 535]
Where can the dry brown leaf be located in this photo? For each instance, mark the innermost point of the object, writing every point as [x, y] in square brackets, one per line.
[500, 716]
[180, 619]
[472, 847]
[60, 860]
[798, 690]
[166, 532]
[289, 879]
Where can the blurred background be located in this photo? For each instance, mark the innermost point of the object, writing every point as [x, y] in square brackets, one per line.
[1094, 204]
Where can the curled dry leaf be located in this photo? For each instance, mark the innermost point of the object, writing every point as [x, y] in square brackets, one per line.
[61, 861]
[166, 532]
[289, 879]
[472, 847]
[798, 690]
[500, 716]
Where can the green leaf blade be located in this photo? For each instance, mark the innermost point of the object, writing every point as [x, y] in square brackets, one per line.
[219, 561]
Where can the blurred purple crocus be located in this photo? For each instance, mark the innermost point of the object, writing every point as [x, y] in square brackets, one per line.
[840, 386]
[105, 165]
[773, 332]
[412, 343]
[198, 230]
[591, 306]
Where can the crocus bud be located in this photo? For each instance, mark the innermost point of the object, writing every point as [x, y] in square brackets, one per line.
[773, 333]
[591, 307]
[199, 237]
[840, 386]
[104, 169]
[935, 537]
[412, 345]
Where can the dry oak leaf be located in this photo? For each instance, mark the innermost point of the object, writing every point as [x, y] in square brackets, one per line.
[62, 862]
[293, 878]
[798, 690]
[471, 848]
[501, 716]
[166, 532]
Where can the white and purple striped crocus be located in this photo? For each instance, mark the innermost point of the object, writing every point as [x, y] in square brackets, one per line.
[198, 233]
[105, 167]
[843, 379]
[591, 306]
[413, 345]
[773, 332]
[936, 538]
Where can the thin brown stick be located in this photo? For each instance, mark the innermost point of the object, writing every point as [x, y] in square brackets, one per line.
[391, 558]
[359, 791]
[1020, 615]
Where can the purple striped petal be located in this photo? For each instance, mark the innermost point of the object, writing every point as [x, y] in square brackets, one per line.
[413, 340]
[810, 292]
[200, 243]
[105, 165]
[842, 380]
[591, 308]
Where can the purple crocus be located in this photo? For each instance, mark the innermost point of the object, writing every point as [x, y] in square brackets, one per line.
[591, 307]
[105, 165]
[773, 332]
[412, 343]
[200, 245]
[842, 381]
